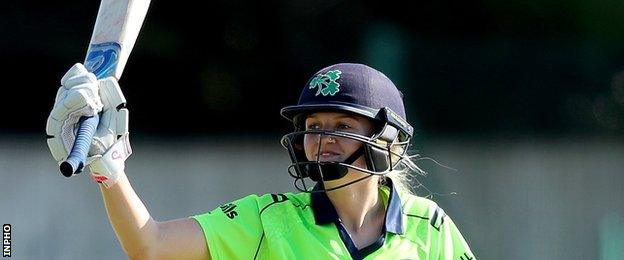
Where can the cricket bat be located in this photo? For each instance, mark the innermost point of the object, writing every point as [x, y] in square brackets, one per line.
[116, 29]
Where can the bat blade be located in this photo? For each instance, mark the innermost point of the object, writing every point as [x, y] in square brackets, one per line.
[116, 29]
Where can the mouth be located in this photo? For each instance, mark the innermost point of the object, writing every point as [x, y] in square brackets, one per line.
[328, 155]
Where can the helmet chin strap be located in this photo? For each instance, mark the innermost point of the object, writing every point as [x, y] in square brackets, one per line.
[332, 170]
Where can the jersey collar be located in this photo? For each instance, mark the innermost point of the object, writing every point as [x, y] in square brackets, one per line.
[325, 213]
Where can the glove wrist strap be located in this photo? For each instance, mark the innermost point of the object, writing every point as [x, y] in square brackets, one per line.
[107, 169]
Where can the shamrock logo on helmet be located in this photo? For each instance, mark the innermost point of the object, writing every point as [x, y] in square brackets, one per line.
[326, 83]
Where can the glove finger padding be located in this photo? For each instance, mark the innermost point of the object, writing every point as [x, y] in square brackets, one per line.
[77, 97]
[114, 120]
[77, 75]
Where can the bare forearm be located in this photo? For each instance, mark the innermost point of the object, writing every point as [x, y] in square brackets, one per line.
[135, 228]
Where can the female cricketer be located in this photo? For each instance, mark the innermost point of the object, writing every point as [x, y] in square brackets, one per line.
[349, 160]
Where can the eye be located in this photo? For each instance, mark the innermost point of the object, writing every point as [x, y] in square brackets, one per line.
[344, 126]
[312, 126]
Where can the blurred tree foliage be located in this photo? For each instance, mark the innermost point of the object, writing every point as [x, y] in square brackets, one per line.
[466, 67]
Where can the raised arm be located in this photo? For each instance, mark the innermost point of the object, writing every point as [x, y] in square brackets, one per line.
[81, 94]
[144, 238]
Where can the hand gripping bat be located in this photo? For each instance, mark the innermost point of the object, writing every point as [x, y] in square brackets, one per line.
[116, 29]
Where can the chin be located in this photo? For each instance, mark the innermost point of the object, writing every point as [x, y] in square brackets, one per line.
[352, 175]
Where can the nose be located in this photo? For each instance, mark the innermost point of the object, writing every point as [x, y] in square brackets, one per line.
[323, 138]
[328, 139]
[319, 140]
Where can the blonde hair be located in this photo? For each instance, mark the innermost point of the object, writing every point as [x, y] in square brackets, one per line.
[404, 176]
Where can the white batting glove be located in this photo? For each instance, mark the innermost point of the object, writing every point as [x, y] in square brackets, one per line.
[111, 136]
[81, 94]
[78, 96]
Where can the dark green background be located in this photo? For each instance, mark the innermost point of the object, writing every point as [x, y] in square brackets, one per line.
[510, 68]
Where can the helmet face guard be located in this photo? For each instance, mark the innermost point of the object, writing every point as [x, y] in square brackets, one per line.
[379, 151]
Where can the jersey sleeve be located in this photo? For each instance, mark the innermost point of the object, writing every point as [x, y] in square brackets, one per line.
[453, 246]
[233, 230]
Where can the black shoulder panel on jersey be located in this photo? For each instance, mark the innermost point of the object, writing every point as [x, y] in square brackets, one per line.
[438, 218]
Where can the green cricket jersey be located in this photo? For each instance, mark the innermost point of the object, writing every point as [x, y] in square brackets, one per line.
[306, 226]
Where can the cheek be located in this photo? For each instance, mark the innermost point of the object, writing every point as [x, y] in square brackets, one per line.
[310, 145]
[349, 145]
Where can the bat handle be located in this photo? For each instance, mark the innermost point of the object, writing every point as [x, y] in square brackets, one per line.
[77, 158]
[102, 60]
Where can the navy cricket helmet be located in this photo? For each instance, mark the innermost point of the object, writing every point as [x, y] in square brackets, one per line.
[354, 89]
